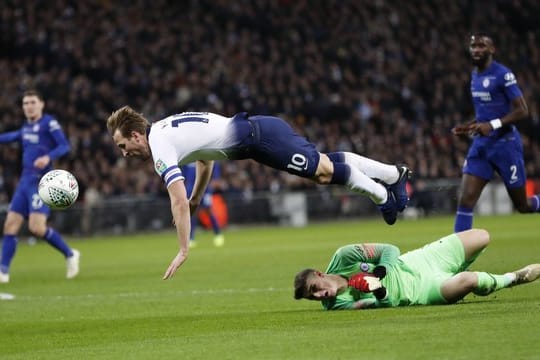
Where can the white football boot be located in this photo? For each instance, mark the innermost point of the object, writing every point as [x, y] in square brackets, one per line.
[72, 264]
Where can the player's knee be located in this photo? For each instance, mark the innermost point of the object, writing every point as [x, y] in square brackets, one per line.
[11, 227]
[322, 179]
[37, 229]
[467, 280]
[482, 237]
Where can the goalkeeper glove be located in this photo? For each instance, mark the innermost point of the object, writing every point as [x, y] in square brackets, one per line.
[365, 282]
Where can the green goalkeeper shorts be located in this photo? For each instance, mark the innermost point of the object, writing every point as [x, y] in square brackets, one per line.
[435, 263]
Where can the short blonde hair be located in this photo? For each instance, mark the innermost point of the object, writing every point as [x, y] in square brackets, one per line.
[127, 120]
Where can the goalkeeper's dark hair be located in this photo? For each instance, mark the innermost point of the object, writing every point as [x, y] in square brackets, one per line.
[300, 283]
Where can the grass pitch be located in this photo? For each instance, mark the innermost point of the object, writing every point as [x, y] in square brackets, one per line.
[236, 302]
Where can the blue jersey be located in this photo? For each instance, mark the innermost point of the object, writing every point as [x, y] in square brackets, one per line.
[492, 92]
[42, 137]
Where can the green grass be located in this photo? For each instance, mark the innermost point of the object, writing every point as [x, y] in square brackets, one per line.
[236, 302]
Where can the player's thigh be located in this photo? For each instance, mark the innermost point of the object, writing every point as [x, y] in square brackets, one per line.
[281, 148]
[443, 256]
[477, 163]
[507, 158]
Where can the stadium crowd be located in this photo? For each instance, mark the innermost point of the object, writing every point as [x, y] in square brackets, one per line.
[387, 79]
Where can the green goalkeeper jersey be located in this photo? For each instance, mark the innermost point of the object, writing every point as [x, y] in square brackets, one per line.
[412, 278]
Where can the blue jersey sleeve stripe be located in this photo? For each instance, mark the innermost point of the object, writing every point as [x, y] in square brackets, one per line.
[173, 168]
[172, 173]
[173, 178]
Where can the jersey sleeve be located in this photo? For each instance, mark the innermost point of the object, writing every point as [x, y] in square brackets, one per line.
[10, 136]
[366, 256]
[165, 161]
[62, 145]
[510, 85]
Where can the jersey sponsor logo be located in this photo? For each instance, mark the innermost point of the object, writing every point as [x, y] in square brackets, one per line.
[160, 166]
[31, 138]
[482, 95]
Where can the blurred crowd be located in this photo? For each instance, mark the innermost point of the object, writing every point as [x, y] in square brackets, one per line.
[386, 79]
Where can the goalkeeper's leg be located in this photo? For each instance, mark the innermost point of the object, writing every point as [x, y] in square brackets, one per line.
[483, 283]
[479, 283]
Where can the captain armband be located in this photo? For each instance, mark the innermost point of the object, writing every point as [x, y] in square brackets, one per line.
[495, 123]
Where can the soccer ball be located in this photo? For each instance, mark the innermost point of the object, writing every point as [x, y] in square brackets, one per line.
[58, 189]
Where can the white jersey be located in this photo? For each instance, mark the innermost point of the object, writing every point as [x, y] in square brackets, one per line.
[186, 137]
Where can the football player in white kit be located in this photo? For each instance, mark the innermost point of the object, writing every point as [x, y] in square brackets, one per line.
[204, 137]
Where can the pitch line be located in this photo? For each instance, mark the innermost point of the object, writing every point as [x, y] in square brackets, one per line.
[178, 293]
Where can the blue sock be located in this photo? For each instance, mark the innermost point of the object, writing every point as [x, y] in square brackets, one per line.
[535, 202]
[342, 173]
[336, 157]
[54, 238]
[215, 224]
[9, 245]
[464, 219]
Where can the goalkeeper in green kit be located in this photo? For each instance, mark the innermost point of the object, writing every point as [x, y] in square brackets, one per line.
[376, 275]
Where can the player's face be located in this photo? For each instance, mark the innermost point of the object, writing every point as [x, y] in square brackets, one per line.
[32, 107]
[481, 50]
[320, 286]
[134, 146]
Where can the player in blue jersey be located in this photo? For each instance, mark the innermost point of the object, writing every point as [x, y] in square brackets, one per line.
[189, 171]
[496, 145]
[204, 137]
[42, 141]
[372, 275]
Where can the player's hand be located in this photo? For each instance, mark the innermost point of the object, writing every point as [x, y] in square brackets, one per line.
[462, 129]
[365, 282]
[193, 206]
[175, 264]
[42, 161]
[481, 128]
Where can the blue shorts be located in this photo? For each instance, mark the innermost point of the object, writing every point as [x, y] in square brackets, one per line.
[503, 155]
[274, 143]
[26, 199]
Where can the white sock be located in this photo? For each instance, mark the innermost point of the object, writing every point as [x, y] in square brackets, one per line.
[372, 168]
[510, 278]
[361, 183]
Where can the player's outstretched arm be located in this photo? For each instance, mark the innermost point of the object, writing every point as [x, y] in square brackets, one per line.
[10, 136]
[182, 221]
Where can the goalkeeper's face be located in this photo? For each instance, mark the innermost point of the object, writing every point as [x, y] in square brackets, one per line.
[320, 286]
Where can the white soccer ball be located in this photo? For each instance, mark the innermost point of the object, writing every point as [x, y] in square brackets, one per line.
[58, 189]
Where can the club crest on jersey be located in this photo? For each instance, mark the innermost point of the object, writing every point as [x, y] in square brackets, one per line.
[364, 267]
[485, 82]
[160, 166]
